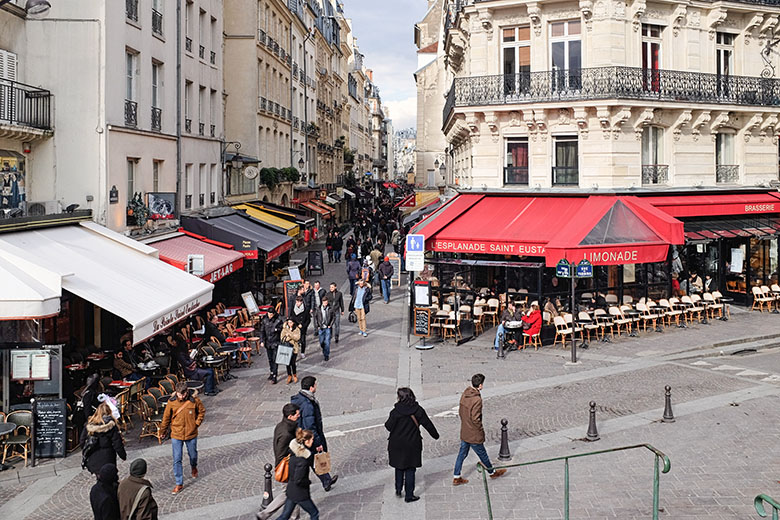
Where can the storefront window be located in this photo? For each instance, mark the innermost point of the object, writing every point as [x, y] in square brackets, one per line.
[763, 261]
[736, 266]
[12, 180]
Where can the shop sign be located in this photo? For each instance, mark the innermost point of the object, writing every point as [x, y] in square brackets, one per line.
[499, 248]
[628, 256]
[172, 317]
[223, 271]
[759, 208]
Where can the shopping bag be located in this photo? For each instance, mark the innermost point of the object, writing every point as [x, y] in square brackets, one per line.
[284, 354]
[282, 472]
[352, 317]
[322, 463]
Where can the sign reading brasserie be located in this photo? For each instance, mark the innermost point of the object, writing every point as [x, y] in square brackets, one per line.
[172, 317]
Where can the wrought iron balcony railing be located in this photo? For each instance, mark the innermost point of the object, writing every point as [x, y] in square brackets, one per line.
[188, 44]
[131, 113]
[188, 125]
[727, 173]
[188, 202]
[565, 176]
[212, 130]
[213, 58]
[24, 105]
[202, 199]
[655, 173]
[612, 83]
[156, 119]
[131, 10]
[157, 22]
[201, 128]
[202, 52]
[516, 175]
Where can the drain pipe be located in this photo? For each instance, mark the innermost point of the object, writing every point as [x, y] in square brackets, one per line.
[178, 204]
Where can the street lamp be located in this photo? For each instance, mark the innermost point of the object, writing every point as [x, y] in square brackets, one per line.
[33, 8]
[301, 163]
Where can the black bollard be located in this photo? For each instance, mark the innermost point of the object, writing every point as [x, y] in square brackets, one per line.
[668, 415]
[268, 493]
[593, 433]
[500, 354]
[503, 452]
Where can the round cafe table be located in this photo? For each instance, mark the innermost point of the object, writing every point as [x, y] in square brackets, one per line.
[5, 429]
[230, 350]
[245, 330]
[725, 301]
[634, 325]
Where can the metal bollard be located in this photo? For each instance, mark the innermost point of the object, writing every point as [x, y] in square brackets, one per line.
[268, 493]
[503, 452]
[500, 354]
[668, 414]
[593, 433]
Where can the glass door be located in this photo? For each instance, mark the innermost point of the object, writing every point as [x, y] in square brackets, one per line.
[565, 55]
[651, 57]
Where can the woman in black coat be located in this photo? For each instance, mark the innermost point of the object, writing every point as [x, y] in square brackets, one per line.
[109, 441]
[404, 445]
[299, 484]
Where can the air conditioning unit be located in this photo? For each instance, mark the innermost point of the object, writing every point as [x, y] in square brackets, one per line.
[38, 209]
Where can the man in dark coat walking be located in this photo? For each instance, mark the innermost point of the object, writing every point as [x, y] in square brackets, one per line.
[338, 245]
[404, 445]
[270, 336]
[102, 496]
[135, 494]
[385, 271]
[283, 434]
[311, 419]
[361, 305]
[323, 323]
[353, 272]
[337, 304]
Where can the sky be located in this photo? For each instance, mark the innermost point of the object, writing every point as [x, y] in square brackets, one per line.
[385, 35]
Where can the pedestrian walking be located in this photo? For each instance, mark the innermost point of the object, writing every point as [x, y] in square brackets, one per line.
[311, 419]
[360, 305]
[395, 240]
[103, 442]
[323, 322]
[472, 433]
[404, 445]
[353, 272]
[329, 246]
[301, 314]
[337, 304]
[316, 295]
[385, 271]
[284, 432]
[338, 245]
[102, 496]
[183, 415]
[89, 399]
[299, 484]
[270, 336]
[291, 335]
[135, 494]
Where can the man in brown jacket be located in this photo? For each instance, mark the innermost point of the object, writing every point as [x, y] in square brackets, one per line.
[472, 434]
[183, 414]
[135, 494]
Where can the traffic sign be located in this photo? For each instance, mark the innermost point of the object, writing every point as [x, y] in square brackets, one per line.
[415, 243]
[415, 263]
[563, 269]
[584, 269]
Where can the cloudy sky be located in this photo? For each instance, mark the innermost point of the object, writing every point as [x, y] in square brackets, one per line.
[385, 33]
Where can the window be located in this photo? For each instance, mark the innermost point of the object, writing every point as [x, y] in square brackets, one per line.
[214, 41]
[130, 177]
[565, 161]
[653, 171]
[156, 166]
[726, 169]
[213, 184]
[516, 55]
[157, 17]
[131, 59]
[8, 65]
[516, 167]
[156, 83]
[651, 57]
[201, 110]
[213, 112]
[724, 57]
[202, 184]
[187, 108]
[202, 34]
[187, 186]
[565, 54]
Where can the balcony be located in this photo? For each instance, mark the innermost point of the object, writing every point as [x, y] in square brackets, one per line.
[131, 113]
[157, 22]
[263, 104]
[565, 176]
[202, 52]
[655, 174]
[188, 202]
[212, 130]
[156, 119]
[261, 36]
[516, 175]
[131, 10]
[611, 83]
[727, 174]
[201, 128]
[202, 199]
[188, 44]
[213, 58]
[23, 105]
[188, 125]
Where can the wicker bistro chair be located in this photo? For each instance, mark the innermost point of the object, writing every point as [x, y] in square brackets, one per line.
[717, 295]
[646, 315]
[20, 438]
[479, 318]
[166, 386]
[619, 319]
[713, 306]
[694, 309]
[570, 323]
[156, 392]
[760, 300]
[451, 327]
[152, 418]
[670, 313]
[125, 410]
[492, 312]
[604, 322]
[562, 330]
[588, 325]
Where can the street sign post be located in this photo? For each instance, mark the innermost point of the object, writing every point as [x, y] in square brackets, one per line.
[584, 269]
[563, 269]
[415, 253]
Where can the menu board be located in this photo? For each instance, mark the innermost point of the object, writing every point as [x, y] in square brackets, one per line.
[315, 262]
[50, 422]
[40, 366]
[422, 321]
[395, 261]
[422, 292]
[290, 292]
[20, 365]
[250, 303]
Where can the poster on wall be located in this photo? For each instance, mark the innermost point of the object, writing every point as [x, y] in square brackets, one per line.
[20, 365]
[629, 273]
[40, 366]
[12, 181]
[737, 259]
[161, 205]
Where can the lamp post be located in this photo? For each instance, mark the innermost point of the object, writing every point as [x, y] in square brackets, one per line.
[236, 162]
[33, 8]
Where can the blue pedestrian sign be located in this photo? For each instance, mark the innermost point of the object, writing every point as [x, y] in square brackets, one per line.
[584, 269]
[415, 243]
[563, 269]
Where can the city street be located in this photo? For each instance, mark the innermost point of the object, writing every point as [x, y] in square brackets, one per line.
[720, 446]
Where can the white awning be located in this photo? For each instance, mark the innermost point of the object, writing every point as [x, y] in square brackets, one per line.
[350, 193]
[27, 291]
[113, 272]
[331, 200]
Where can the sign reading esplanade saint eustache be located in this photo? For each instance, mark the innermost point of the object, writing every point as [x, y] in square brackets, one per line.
[482, 246]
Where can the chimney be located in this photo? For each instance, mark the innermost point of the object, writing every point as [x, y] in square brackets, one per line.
[370, 74]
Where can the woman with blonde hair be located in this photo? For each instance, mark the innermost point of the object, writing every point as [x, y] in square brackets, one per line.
[103, 442]
[298, 485]
[291, 335]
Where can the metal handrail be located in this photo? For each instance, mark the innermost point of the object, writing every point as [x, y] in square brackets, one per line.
[758, 503]
[667, 465]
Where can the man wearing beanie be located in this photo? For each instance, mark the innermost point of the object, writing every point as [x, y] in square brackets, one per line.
[102, 496]
[386, 278]
[135, 494]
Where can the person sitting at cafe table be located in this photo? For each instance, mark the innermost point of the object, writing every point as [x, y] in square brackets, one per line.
[532, 321]
[123, 369]
[192, 372]
[696, 284]
[212, 329]
[509, 314]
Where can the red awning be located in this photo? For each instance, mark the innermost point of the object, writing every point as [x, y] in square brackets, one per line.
[220, 261]
[404, 203]
[323, 205]
[716, 204]
[315, 208]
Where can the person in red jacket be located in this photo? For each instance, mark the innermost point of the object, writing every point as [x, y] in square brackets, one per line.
[532, 321]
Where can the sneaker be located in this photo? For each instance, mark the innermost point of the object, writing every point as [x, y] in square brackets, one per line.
[413, 498]
[303, 356]
[194, 472]
[177, 490]
[497, 473]
[457, 481]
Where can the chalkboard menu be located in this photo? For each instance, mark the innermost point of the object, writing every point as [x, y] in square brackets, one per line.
[50, 422]
[395, 261]
[422, 322]
[290, 292]
[315, 262]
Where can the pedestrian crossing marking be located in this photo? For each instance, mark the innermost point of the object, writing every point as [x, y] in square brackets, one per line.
[701, 364]
[728, 367]
[751, 373]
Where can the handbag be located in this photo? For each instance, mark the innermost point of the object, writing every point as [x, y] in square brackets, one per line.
[352, 317]
[322, 463]
[282, 472]
[284, 354]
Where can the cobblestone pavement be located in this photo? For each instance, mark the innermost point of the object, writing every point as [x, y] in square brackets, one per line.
[722, 445]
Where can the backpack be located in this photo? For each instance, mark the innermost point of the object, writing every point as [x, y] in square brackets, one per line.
[91, 444]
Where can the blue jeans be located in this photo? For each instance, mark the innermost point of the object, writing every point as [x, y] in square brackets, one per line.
[352, 284]
[306, 505]
[192, 452]
[386, 284]
[337, 255]
[481, 452]
[500, 335]
[207, 376]
[325, 341]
